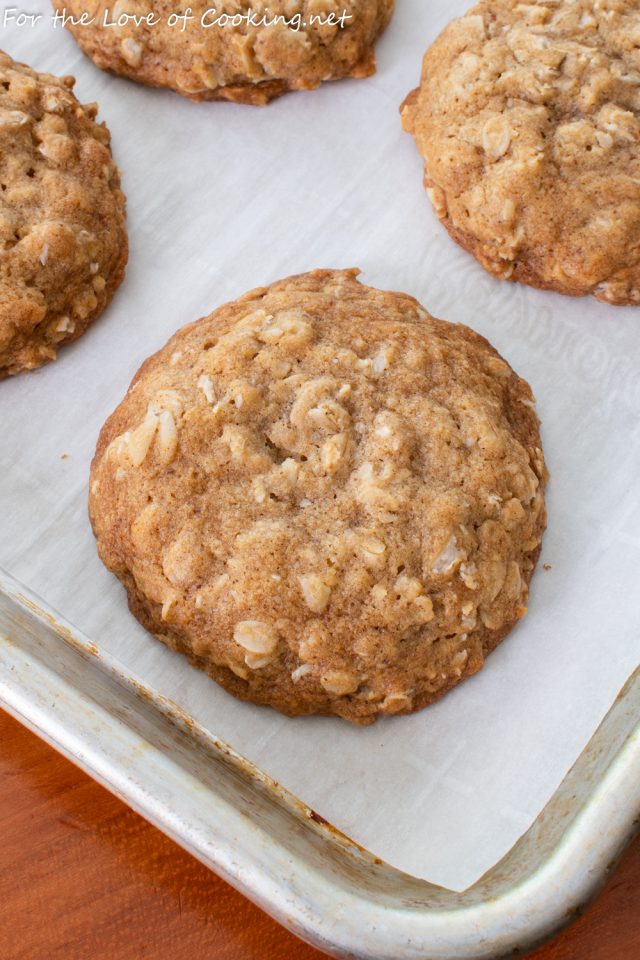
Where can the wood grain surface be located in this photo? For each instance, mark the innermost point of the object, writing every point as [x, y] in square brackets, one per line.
[82, 877]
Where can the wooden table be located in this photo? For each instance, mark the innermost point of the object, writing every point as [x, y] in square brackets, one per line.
[82, 877]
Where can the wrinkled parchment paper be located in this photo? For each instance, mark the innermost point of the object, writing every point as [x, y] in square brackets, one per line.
[223, 198]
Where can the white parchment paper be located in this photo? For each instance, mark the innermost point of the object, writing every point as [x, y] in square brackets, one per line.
[223, 198]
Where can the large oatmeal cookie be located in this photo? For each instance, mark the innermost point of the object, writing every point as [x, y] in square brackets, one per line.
[211, 57]
[63, 244]
[329, 500]
[528, 119]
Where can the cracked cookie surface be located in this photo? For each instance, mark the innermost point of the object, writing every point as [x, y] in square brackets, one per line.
[329, 500]
[63, 244]
[528, 120]
[243, 62]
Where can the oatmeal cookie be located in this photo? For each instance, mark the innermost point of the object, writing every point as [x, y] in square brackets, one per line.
[329, 500]
[528, 120]
[63, 244]
[221, 56]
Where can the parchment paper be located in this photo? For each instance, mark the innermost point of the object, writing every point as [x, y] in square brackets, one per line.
[223, 198]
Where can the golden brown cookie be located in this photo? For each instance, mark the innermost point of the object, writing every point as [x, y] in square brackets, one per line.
[528, 119]
[63, 244]
[329, 500]
[219, 54]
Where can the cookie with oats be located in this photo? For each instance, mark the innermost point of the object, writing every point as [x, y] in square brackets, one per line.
[63, 243]
[330, 501]
[528, 120]
[221, 54]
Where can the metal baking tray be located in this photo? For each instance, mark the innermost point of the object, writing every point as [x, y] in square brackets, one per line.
[279, 852]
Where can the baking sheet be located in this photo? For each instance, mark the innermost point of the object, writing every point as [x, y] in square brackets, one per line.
[223, 198]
